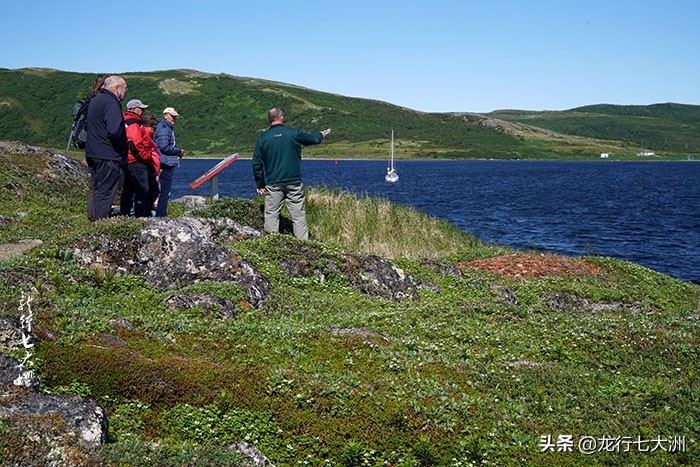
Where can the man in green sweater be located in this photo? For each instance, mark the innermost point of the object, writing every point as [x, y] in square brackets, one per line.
[277, 171]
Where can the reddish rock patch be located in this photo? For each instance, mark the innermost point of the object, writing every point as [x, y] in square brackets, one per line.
[528, 265]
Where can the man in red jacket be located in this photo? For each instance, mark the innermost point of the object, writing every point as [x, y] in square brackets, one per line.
[135, 193]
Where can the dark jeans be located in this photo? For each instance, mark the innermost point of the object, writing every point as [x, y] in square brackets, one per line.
[135, 191]
[166, 183]
[107, 177]
[153, 190]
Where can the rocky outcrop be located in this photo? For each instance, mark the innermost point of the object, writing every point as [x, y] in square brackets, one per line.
[10, 334]
[223, 229]
[504, 295]
[253, 457]
[371, 275]
[13, 372]
[12, 338]
[52, 167]
[81, 415]
[571, 303]
[170, 253]
[191, 201]
[378, 277]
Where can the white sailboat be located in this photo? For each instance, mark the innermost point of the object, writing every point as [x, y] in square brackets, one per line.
[391, 175]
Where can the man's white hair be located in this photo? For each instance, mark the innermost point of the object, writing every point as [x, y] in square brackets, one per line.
[112, 82]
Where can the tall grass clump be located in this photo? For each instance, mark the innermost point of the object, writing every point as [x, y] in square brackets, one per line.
[379, 227]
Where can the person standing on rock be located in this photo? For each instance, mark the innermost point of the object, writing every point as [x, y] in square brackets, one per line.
[277, 172]
[106, 147]
[170, 155]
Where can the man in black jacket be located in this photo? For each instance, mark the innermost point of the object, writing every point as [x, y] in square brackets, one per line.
[106, 148]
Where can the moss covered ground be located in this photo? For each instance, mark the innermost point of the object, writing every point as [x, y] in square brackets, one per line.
[486, 367]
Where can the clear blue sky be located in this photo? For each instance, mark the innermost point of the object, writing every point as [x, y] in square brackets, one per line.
[440, 55]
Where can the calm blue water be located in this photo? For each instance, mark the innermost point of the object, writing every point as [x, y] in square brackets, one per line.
[645, 212]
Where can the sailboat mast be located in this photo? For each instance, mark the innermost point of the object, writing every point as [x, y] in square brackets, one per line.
[392, 149]
[391, 175]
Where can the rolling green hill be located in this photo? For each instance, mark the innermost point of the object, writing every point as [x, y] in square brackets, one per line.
[662, 127]
[223, 114]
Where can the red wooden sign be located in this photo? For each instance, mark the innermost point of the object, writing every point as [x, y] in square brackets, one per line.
[213, 171]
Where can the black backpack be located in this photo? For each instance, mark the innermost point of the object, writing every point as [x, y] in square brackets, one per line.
[78, 132]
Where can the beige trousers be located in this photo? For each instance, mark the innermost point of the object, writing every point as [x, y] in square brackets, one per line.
[293, 196]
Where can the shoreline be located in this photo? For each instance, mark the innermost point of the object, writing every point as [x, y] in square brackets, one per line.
[456, 160]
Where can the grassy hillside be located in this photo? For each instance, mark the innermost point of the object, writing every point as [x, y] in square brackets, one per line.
[662, 127]
[499, 350]
[222, 114]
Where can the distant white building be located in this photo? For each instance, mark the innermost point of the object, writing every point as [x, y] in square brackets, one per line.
[604, 155]
[646, 153]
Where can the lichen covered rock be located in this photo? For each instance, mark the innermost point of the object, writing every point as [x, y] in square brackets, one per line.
[171, 253]
[81, 415]
[12, 372]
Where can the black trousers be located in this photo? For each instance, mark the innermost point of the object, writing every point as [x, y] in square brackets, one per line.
[107, 177]
[153, 190]
[135, 191]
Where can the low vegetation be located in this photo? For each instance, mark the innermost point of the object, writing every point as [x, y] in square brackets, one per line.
[481, 369]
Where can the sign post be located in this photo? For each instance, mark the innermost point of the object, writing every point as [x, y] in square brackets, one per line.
[212, 174]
